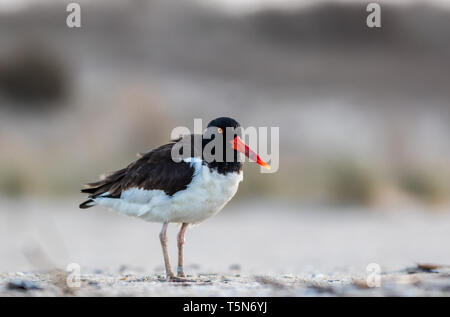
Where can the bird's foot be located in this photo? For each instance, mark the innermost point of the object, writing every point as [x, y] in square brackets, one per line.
[180, 272]
[178, 279]
[175, 279]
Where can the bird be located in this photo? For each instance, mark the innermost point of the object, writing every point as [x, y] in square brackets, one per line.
[186, 190]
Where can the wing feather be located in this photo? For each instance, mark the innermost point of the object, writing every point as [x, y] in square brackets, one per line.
[153, 170]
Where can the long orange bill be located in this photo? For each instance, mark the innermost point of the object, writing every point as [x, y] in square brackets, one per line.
[240, 146]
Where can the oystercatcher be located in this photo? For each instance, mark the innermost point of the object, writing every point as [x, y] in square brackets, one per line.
[158, 188]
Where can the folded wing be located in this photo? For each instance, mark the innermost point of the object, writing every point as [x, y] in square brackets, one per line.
[153, 170]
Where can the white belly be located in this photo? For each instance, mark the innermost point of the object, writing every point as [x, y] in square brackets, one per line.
[205, 196]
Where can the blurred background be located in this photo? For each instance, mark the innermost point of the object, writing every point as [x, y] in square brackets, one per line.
[363, 114]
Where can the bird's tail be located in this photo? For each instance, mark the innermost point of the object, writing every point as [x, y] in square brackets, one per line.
[101, 187]
[87, 204]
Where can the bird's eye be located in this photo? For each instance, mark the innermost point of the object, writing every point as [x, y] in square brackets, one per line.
[220, 130]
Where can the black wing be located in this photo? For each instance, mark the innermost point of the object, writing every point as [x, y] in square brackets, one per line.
[154, 170]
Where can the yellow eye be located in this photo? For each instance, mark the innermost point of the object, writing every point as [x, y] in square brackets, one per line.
[219, 130]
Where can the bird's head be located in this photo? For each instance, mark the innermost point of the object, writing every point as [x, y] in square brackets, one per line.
[229, 131]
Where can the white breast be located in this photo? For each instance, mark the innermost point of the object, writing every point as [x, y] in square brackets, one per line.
[205, 196]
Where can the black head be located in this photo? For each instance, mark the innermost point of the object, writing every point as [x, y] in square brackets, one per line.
[227, 133]
[224, 123]
[226, 129]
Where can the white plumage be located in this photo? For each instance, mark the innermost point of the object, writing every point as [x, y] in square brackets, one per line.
[208, 192]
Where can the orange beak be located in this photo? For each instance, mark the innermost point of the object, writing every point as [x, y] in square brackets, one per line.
[240, 146]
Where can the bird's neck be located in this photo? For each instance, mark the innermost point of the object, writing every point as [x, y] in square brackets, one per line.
[225, 167]
[222, 166]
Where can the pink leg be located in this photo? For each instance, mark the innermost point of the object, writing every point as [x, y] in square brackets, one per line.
[163, 239]
[181, 240]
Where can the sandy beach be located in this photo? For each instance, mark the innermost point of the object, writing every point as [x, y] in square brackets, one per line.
[252, 248]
